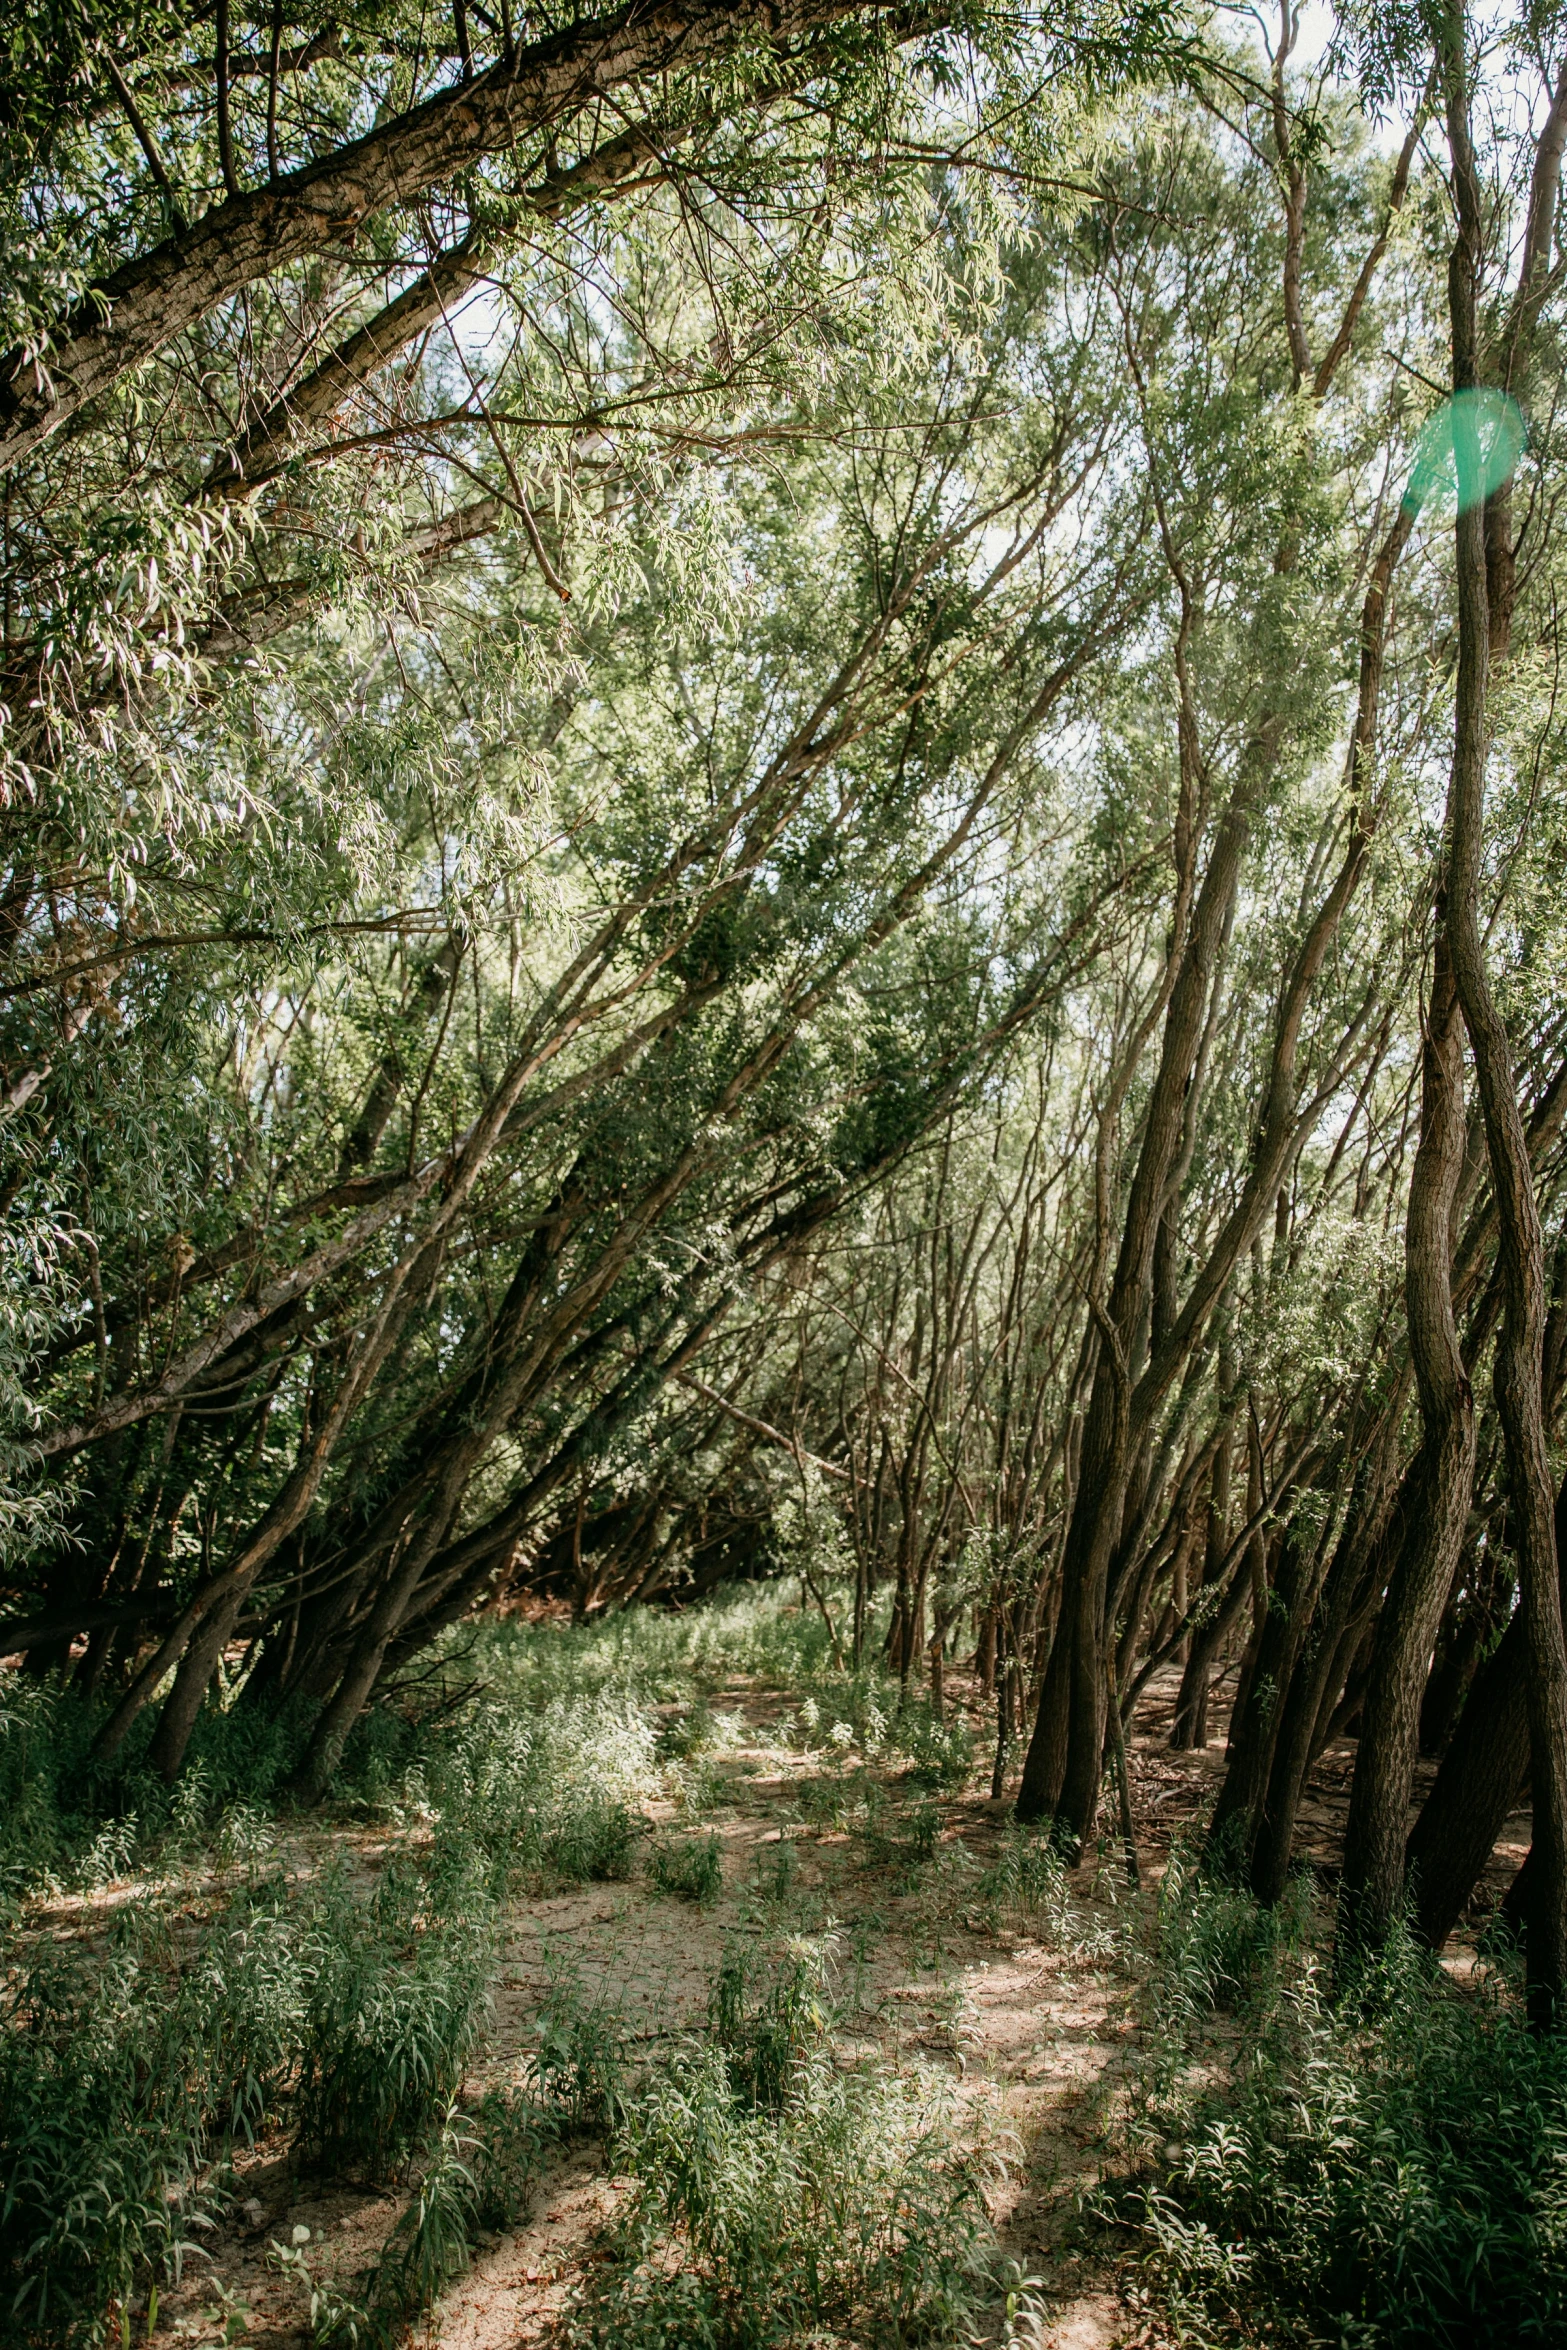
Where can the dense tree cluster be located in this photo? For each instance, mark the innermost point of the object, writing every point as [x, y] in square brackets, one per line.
[782, 790]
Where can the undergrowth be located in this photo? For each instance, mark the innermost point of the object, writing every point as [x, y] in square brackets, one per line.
[72, 1823]
[131, 2071]
[1382, 2175]
[130, 2074]
[777, 2198]
[342, 2012]
[780, 2197]
[1391, 2171]
[689, 1866]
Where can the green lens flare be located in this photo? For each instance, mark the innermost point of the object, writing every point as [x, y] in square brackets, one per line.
[1466, 449]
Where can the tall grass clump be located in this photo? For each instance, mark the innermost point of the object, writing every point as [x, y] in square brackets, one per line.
[579, 2071]
[398, 1993]
[649, 1656]
[129, 2072]
[689, 1866]
[550, 1793]
[124, 2076]
[1391, 2172]
[71, 1822]
[427, 2249]
[780, 2198]
[476, 2175]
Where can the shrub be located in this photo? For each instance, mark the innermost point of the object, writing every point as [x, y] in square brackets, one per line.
[687, 1733]
[547, 1795]
[589, 1838]
[429, 2246]
[68, 1819]
[477, 2174]
[512, 2134]
[1028, 1879]
[941, 1753]
[122, 2077]
[579, 2071]
[774, 1871]
[765, 2035]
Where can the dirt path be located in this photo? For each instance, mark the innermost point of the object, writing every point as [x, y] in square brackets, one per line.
[1029, 2027]
[1027, 2017]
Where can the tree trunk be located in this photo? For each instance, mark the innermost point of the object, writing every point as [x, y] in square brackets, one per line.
[1190, 1726]
[1312, 1685]
[1254, 1733]
[1371, 1894]
[1478, 1784]
[1481, 1778]
[1520, 1348]
[191, 1683]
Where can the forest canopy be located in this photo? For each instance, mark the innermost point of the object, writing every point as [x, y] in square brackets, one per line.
[782, 794]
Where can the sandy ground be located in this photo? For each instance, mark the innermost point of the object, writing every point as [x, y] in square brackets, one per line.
[1033, 2030]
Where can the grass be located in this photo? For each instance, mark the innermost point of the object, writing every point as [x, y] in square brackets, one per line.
[586, 1696]
[397, 1994]
[778, 2197]
[689, 1866]
[130, 2073]
[132, 2069]
[428, 2248]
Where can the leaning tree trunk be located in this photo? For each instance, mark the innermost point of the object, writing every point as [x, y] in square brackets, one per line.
[1061, 1772]
[1254, 1729]
[1190, 1726]
[1519, 1369]
[1315, 1682]
[1481, 1779]
[1372, 1887]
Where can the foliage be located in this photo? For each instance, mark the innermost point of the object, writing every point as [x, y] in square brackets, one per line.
[719, 861]
[386, 2038]
[580, 2065]
[121, 2076]
[350, 2015]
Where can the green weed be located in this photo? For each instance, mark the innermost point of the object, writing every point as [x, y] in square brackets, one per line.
[765, 2032]
[779, 2199]
[688, 1866]
[579, 2071]
[775, 1871]
[392, 2018]
[591, 1839]
[124, 2075]
[430, 2244]
[512, 2135]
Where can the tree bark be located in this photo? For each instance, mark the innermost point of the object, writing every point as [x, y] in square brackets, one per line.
[1325, 1650]
[1190, 1726]
[1480, 1779]
[1062, 1768]
[1479, 1782]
